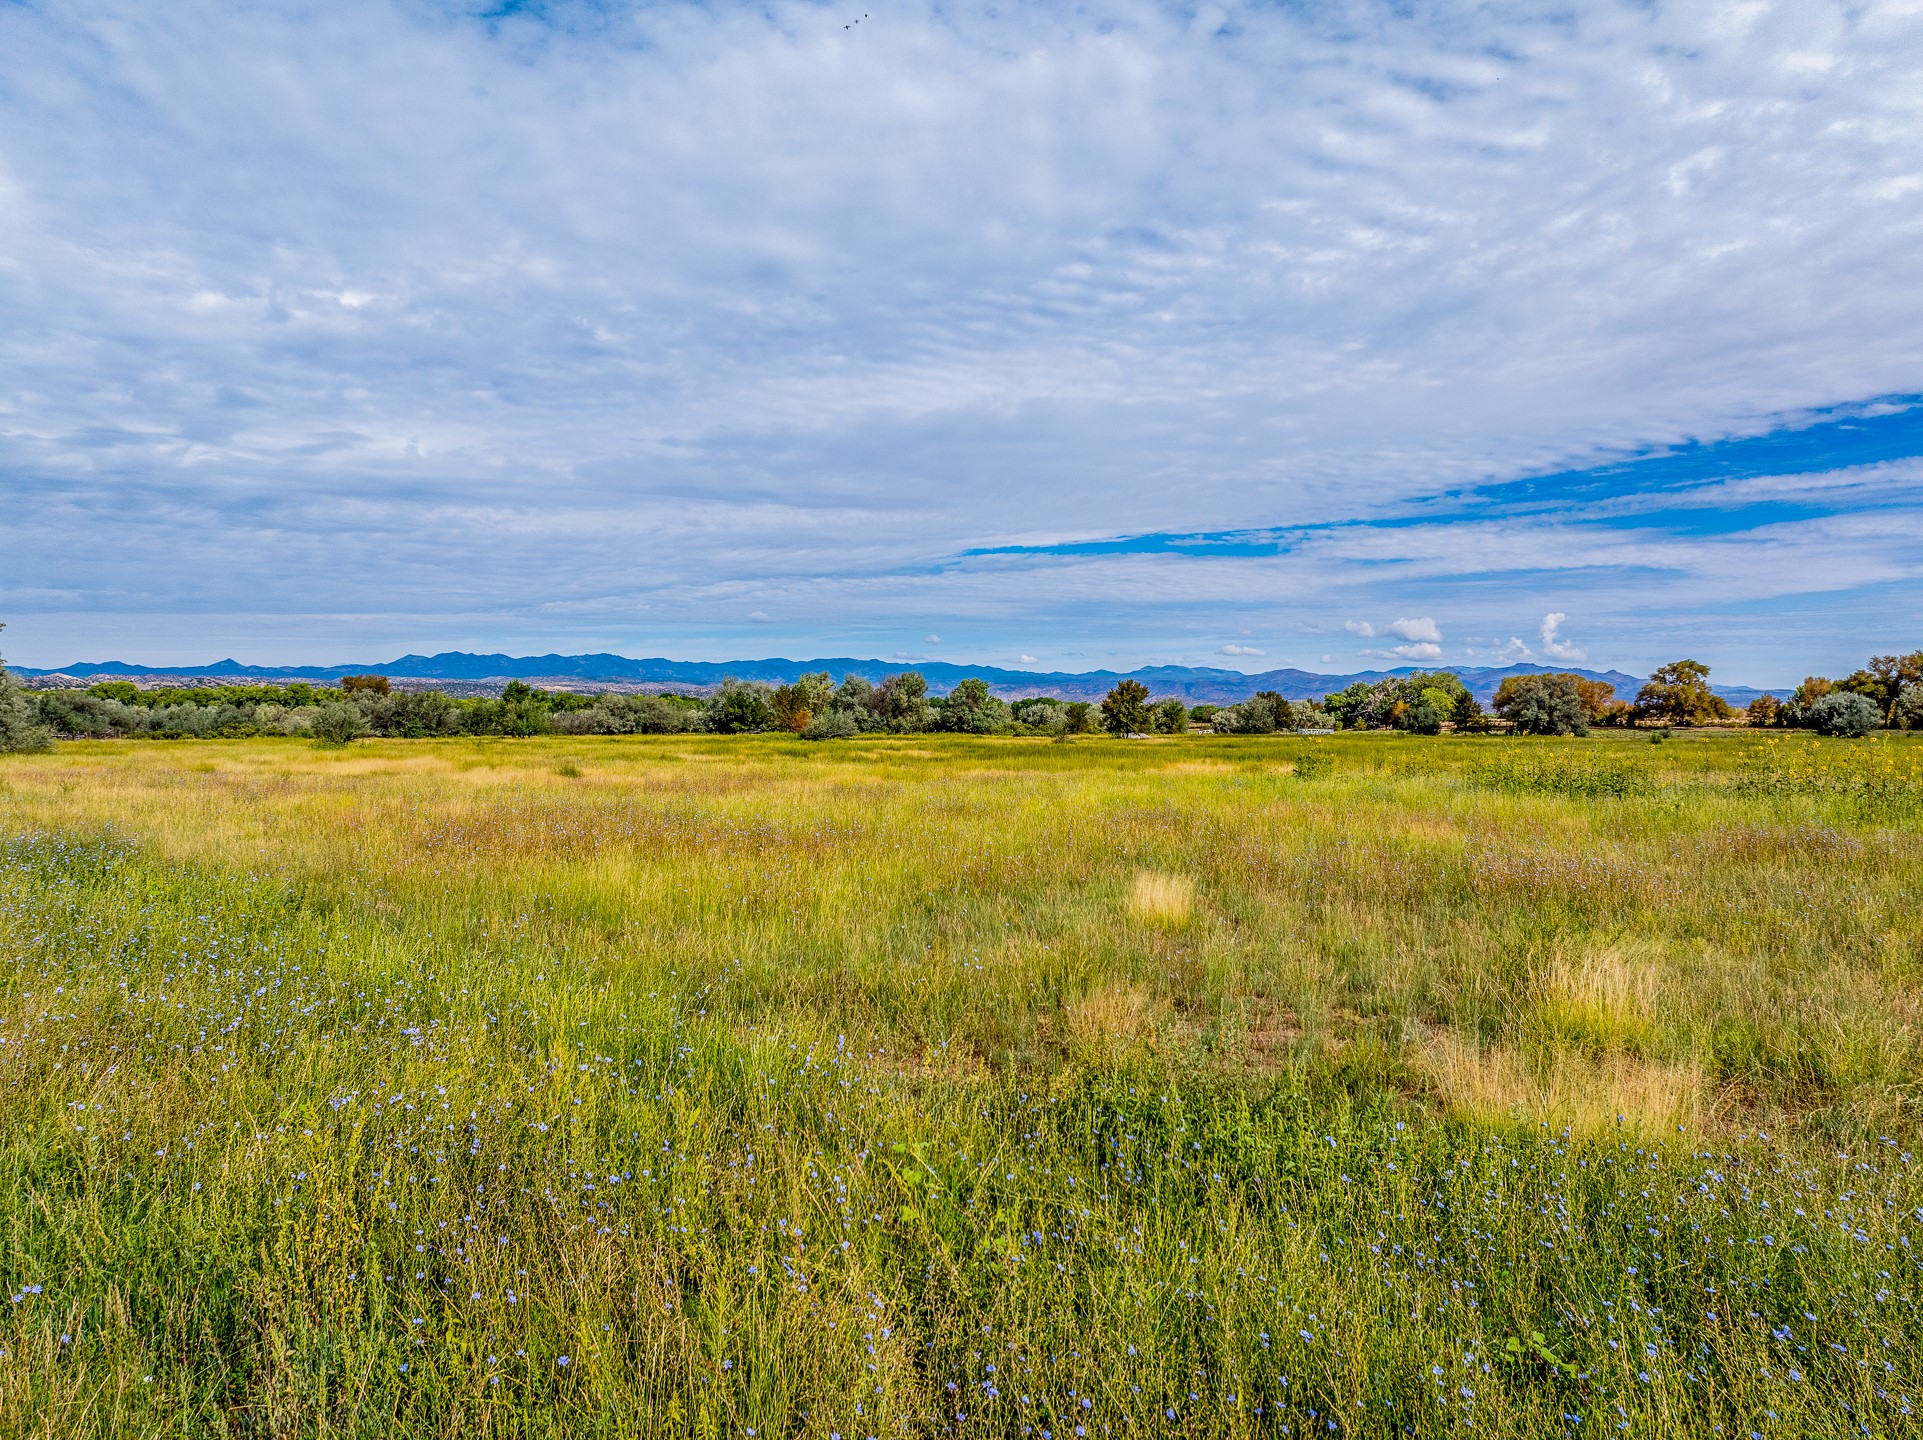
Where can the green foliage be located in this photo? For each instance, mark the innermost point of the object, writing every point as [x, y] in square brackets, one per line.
[1678, 694]
[410, 715]
[901, 705]
[337, 723]
[795, 706]
[1844, 712]
[1542, 704]
[20, 729]
[1125, 709]
[1907, 712]
[626, 715]
[1078, 718]
[740, 707]
[1169, 717]
[1575, 776]
[970, 710]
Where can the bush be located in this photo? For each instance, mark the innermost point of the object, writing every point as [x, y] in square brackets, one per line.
[1078, 718]
[1907, 712]
[1543, 705]
[1037, 713]
[411, 715]
[20, 729]
[1842, 712]
[337, 723]
[1254, 716]
[1169, 717]
[971, 710]
[832, 724]
[740, 707]
[900, 704]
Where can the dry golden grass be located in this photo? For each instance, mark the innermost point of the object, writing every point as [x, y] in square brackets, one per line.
[1584, 1094]
[1162, 899]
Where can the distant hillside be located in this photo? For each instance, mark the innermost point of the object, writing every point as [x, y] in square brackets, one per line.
[1194, 684]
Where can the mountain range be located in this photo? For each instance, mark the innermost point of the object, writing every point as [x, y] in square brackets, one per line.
[1193, 684]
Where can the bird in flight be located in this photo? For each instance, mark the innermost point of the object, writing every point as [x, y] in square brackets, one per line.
[852, 23]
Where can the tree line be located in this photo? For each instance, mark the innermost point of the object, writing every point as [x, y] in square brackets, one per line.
[1888, 692]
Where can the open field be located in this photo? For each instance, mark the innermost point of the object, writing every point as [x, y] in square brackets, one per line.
[1202, 1086]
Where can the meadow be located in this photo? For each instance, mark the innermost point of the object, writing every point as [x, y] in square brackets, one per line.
[936, 1085]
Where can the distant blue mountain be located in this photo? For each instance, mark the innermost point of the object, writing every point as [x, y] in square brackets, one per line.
[1194, 684]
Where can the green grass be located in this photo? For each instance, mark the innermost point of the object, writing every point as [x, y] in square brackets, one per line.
[1361, 1085]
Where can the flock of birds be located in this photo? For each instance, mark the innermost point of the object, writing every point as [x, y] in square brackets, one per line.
[853, 23]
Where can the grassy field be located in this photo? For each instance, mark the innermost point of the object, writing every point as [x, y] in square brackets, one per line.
[689, 1085]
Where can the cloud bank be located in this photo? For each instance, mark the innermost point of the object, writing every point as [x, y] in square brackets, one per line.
[1104, 334]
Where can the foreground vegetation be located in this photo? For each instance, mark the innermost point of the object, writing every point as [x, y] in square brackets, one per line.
[932, 1084]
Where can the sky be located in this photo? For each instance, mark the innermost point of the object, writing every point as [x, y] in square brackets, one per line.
[1067, 336]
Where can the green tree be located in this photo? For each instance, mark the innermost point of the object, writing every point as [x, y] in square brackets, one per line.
[1679, 694]
[900, 703]
[1078, 718]
[796, 705]
[20, 727]
[1542, 704]
[1894, 674]
[1466, 714]
[971, 710]
[1907, 712]
[1170, 717]
[1125, 709]
[740, 707]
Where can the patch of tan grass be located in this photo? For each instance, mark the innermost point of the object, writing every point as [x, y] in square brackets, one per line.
[1602, 1001]
[1162, 899]
[1110, 1018]
[1587, 1094]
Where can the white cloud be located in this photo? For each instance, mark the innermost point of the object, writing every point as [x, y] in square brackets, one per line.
[1359, 627]
[1420, 650]
[931, 639]
[1557, 649]
[1026, 660]
[1424, 629]
[1241, 650]
[1513, 651]
[760, 617]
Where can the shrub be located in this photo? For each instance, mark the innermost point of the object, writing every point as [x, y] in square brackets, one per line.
[1170, 717]
[834, 723]
[794, 706]
[337, 723]
[412, 715]
[20, 729]
[971, 710]
[740, 707]
[1078, 718]
[1543, 705]
[1843, 712]
[1907, 712]
[1038, 713]
[1251, 717]
[900, 704]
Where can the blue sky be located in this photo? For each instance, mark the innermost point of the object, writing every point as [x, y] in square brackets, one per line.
[1316, 334]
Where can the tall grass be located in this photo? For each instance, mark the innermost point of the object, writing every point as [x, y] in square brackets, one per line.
[930, 1086]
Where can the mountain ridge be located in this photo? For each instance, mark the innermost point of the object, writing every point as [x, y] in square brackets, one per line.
[1190, 683]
